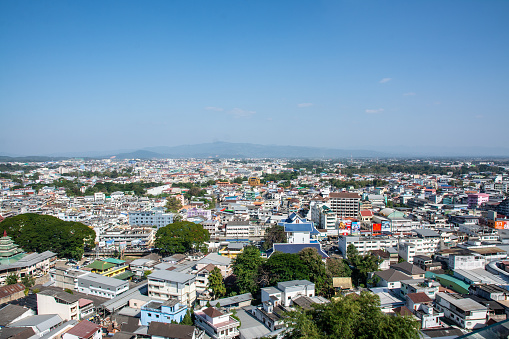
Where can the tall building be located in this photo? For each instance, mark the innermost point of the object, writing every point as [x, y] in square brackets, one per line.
[154, 217]
[345, 204]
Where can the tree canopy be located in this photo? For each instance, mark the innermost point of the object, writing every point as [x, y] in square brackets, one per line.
[173, 205]
[245, 268]
[216, 283]
[181, 237]
[39, 233]
[350, 316]
[362, 265]
[273, 235]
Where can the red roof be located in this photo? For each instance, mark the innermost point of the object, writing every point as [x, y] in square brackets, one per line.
[84, 329]
[418, 298]
[11, 289]
[366, 213]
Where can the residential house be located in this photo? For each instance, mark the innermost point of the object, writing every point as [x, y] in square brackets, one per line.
[101, 286]
[164, 312]
[217, 324]
[465, 312]
[84, 330]
[66, 305]
[159, 330]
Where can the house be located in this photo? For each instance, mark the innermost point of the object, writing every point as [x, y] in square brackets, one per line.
[412, 270]
[163, 285]
[489, 292]
[164, 312]
[237, 301]
[286, 291]
[62, 303]
[40, 324]
[11, 292]
[390, 278]
[426, 286]
[84, 330]
[158, 330]
[465, 312]
[11, 313]
[139, 266]
[217, 324]
[221, 262]
[101, 286]
[341, 284]
[422, 306]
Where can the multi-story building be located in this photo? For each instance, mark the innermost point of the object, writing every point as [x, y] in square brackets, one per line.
[477, 199]
[154, 217]
[466, 262]
[62, 303]
[164, 312]
[287, 291]
[465, 312]
[217, 324]
[101, 286]
[366, 244]
[163, 285]
[345, 204]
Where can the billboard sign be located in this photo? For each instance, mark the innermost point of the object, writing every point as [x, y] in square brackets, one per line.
[377, 229]
[386, 226]
[344, 227]
[356, 228]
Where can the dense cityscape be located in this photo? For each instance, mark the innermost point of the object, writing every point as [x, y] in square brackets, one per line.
[252, 248]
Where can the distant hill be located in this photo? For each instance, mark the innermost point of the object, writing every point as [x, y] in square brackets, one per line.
[245, 150]
[30, 159]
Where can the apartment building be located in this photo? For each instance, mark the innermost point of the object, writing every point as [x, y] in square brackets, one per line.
[345, 204]
[465, 312]
[287, 291]
[366, 244]
[466, 262]
[101, 286]
[62, 303]
[164, 312]
[154, 217]
[163, 285]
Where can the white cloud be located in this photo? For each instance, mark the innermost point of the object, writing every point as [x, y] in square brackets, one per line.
[211, 108]
[305, 104]
[384, 80]
[409, 94]
[241, 113]
[374, 111]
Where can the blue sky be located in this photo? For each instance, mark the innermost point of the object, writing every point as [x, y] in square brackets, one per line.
[107, 75]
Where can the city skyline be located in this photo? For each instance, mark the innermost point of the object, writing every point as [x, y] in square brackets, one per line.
[80, 77]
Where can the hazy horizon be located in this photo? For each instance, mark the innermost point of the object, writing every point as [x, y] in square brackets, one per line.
[99, 76]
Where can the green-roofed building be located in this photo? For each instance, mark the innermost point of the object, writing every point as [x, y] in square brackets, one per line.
[124, 276]
[115, 261]
[450, 282]
[9, 251]
[100, 266]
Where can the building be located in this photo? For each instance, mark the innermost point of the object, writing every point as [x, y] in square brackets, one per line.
[154, 217]
[163, 285]
[285, 292]
[465, 312]
[477, 199]
[165, 312]
[422, 306]
[159, 330]
[217, 324]
[101, 286]
[345, 204]
[366, 244]
[62, 303]
[466, 262]
[84, 330]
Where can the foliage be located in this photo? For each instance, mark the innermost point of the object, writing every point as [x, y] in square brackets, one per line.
[187, 320]
[28, 280]
[147, 273]
[39, 233]
[273, 235]
[351, 316]
[282, 267]
[216, 283]
[173, 205]
[11, 279]
[181, 237]
[109, 187]
[68, 290]
[363, 264]
[245, 269]
[338, 268]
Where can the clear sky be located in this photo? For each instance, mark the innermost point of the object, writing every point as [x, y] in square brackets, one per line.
[109, 75]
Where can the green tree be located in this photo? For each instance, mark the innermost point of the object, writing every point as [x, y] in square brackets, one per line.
[11, 279]
[216, 283]
[316, 271]
[181, 237]
[363, 264]
[245, 268]
[282, 267]
[273, 235]
[187, 320]
[39, 233]
[351, 316]
[173, 205]
[147, 273]
[338, 268]
[28, 280]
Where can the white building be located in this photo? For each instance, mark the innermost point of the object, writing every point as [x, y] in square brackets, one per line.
[465, 312]
[62, 303]
[101, 286]
[287, 291]
[466, 262]
[217, 324]
[163, 285]
[154, 217]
